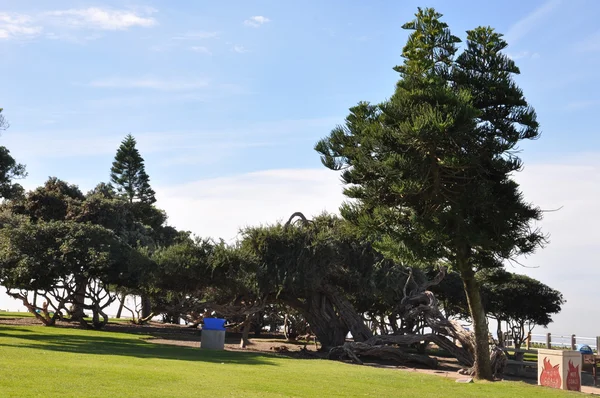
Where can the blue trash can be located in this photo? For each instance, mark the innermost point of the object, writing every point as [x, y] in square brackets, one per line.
[584, 349]
[213, 334]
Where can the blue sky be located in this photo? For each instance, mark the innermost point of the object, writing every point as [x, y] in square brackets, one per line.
[227, 100]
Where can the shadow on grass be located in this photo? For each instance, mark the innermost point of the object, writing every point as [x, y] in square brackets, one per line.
[105, 345]
[4, 328]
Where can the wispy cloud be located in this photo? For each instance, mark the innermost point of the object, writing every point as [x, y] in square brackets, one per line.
[589, 44]
[99, 18]
[18, 26]
[529, 22]
[585, 104]
[201, 50]
[240, 49]
[59, 24]
[523, 54]
[196, 36]
[151, 83]
[256, 21]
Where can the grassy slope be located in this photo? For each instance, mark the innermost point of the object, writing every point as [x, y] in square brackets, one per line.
[54, 362]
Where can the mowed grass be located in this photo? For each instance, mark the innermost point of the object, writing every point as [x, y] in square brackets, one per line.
[12, 315]
[58, 362]
[6, 314]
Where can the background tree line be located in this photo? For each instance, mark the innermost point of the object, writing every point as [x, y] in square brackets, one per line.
[433, 216]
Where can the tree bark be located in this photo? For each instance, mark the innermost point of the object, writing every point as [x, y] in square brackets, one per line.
[482, 367]
[322, 318]
[347, 313]
[79, 299]
[360, 349]
[245, 332]
[259, 324]
[146, 307]
[121, 304]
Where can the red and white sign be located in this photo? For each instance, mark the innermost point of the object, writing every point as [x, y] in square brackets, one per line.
[550, 376]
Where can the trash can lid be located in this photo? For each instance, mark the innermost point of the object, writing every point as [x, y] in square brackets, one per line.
[214, 324]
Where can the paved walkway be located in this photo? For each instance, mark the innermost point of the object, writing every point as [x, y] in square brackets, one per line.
[590, 390]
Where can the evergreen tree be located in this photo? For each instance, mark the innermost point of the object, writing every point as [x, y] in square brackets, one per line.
[429, 169]
[128, 173]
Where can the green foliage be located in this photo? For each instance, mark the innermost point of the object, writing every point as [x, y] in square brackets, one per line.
[431, 164]
[36, 256]
[128, 173]
[519, 301]
[299, 259]
[9, 169]
[55, 200]
[69, 247]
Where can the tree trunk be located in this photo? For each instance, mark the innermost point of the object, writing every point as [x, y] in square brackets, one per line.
[499, 334]
[347, 313]
[121, 304]
[393, 323]
[146, 307]
[79, 299]
[259, 324]
[322, 318]
[245, 332]
[483, 369]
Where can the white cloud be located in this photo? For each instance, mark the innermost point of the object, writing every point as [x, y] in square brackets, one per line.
[256, 21]
[151, 83]
[99, 18]
[240, 49]
[526, 24]
[18, 26]
[59, 23]
[219, 207]
[201, 50]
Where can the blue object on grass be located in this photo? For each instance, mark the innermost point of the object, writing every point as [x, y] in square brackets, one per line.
[214, 324]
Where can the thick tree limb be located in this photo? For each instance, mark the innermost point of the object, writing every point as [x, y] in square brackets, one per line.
[356, 350]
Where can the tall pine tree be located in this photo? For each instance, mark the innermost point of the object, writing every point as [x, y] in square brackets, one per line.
[430, 169]
[128, 173]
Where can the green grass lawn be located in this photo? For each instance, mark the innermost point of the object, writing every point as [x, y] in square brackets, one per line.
[58, 362]
[8, 314]
[5, 314]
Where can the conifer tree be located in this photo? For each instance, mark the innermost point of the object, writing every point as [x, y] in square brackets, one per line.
[128, 173]
[429, 170]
